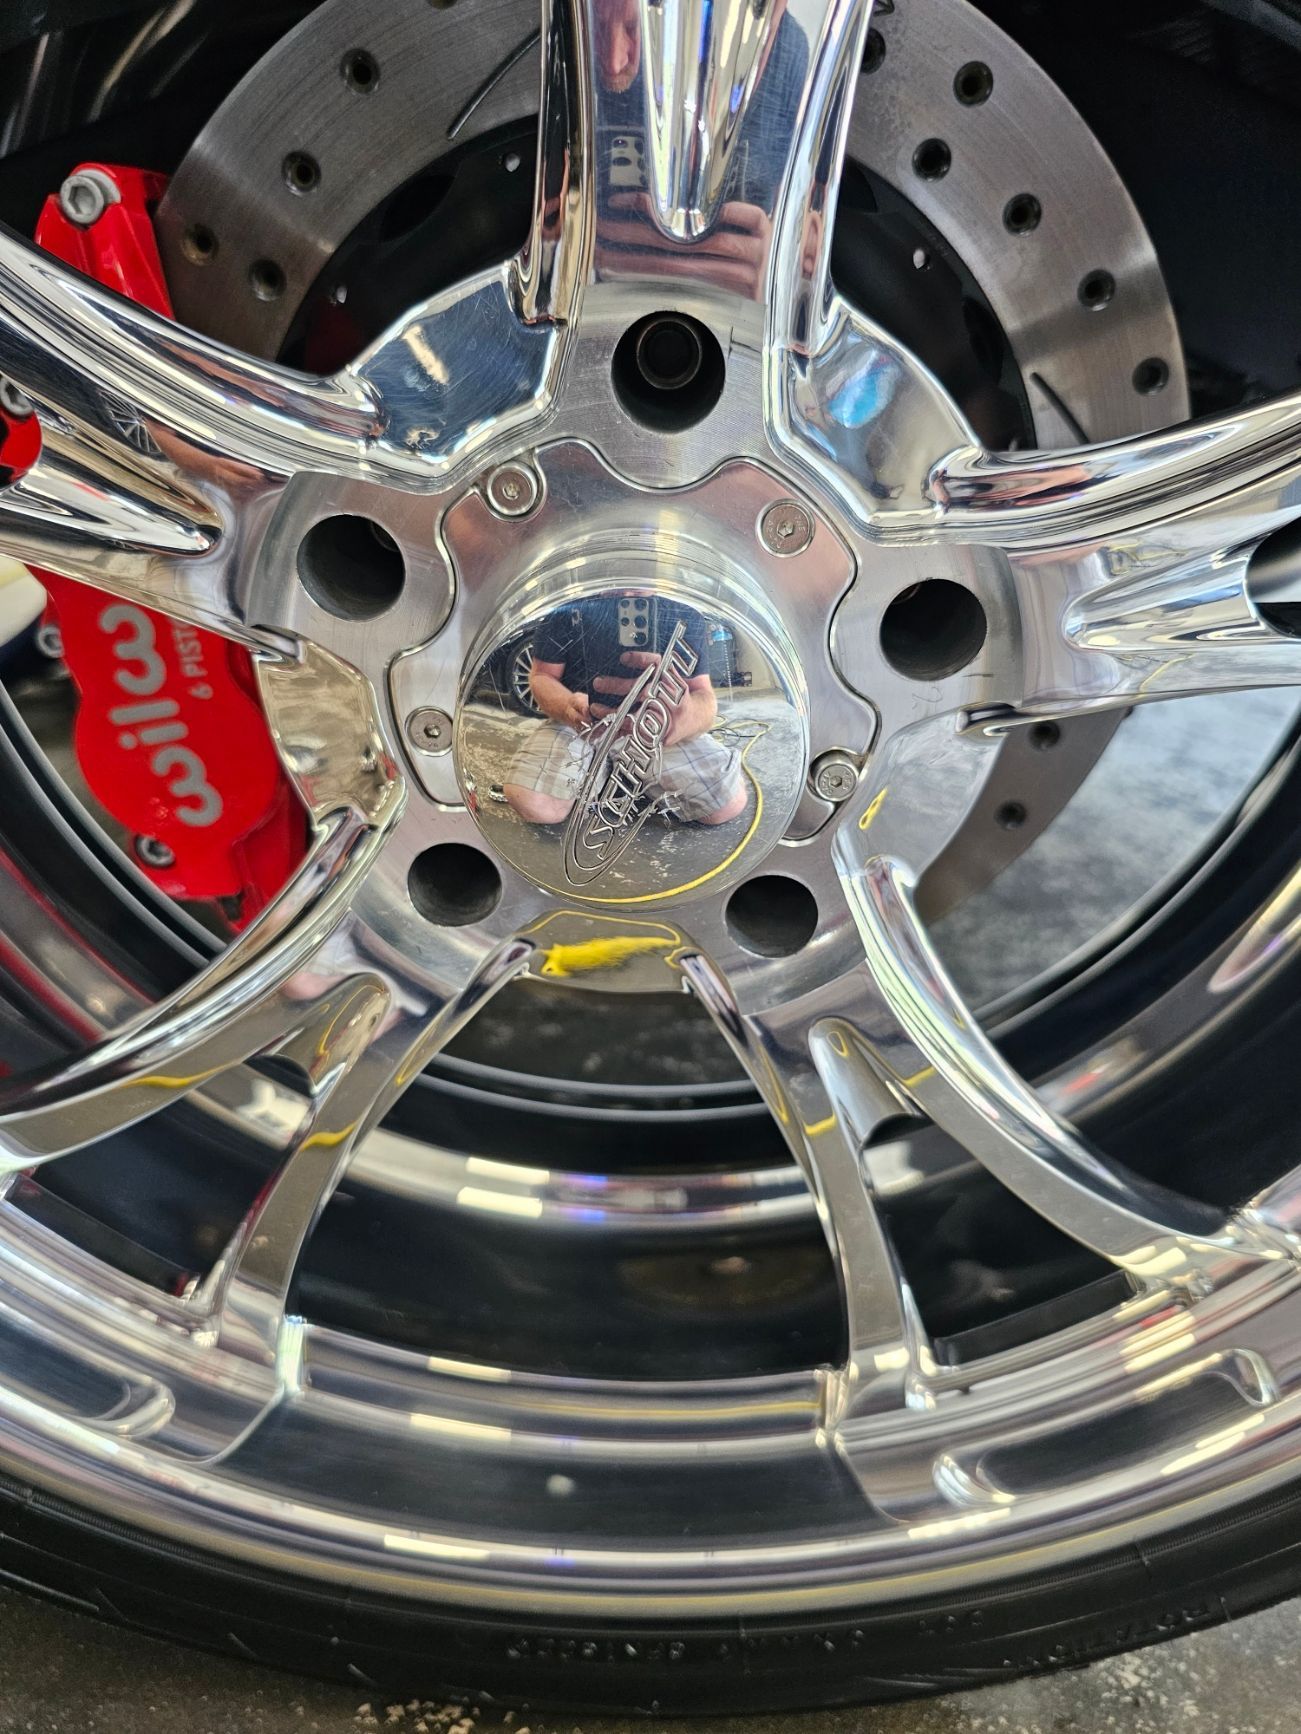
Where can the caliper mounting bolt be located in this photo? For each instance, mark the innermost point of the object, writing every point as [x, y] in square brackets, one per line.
[85, 196]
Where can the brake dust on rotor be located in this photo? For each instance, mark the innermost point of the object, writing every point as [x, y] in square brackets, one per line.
[170, 734]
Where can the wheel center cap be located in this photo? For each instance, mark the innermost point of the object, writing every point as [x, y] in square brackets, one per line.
[639, 738]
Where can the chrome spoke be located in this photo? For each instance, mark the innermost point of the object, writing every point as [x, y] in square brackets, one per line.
[826, 1112]
[251, 996]
[370, 1036]
[693, 142]
[1143, 569]
[930, 1047]
[161, 452]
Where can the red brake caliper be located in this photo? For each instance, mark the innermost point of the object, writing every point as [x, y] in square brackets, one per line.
[170, 736]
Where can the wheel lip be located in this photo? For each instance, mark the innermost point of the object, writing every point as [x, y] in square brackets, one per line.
[122, 1479]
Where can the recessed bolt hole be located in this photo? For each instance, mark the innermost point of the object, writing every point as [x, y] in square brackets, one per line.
[1044, 736]
[873, 51]
[772, 915]
[453, 885]
[360, 71]
[199, 244]
[154, 853]
[1010, 816]
[1151, 376]
[1022, 213]
[973, 83]
[302, 172]
[932, 629]
[668, 371]
[266, 279]
[1097, 290]
[932, 159]
[352, 567]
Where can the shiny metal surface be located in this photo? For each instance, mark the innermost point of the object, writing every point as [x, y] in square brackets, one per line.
[1095, 576]
[442, 87]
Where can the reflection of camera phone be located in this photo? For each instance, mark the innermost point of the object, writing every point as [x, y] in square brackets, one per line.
[626, 164]
[636, 622]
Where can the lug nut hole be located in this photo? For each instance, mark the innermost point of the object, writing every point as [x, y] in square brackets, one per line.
[453, 885]
[772, 915]
[668, 371]
[352, 567]
[932, 629]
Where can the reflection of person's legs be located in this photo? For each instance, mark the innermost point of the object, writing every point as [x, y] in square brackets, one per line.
[547, 773]
[703, 781]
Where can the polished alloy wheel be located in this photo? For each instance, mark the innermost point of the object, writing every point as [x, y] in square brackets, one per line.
[849, 593]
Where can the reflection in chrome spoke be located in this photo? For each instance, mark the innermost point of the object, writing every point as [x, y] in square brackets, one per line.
[693, 143]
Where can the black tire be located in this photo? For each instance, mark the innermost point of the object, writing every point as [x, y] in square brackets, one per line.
[1131, 1596]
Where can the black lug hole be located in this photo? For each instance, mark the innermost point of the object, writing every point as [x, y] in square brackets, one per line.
[973, 83]
[360, 71]
[1097, 290]
[266, 279]
[199, 244]
[932, 159]
[1010, 816]
[873, 51]
[1022, 214]
[668, 371]
[352, 567]
[453, 885]
[932, 629]
[1151, 376]
[1044, 736]
[302, 172]
[772, 915]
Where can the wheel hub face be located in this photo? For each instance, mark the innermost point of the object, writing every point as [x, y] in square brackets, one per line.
[630, 800]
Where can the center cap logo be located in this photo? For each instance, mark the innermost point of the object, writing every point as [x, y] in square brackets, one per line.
[616, 799]
[623, 744]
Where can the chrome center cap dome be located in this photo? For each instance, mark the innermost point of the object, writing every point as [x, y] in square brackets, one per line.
[638, 737]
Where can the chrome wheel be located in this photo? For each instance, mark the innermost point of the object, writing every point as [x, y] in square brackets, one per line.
[673, 416]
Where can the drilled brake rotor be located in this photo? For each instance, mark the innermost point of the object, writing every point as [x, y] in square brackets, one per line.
[990, 158]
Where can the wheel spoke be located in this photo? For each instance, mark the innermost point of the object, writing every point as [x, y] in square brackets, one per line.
[159, 449]
[369, 1037]
[253, 996]
[930, 1047]
[692, 141]
[1139, 566]
[826, 1110]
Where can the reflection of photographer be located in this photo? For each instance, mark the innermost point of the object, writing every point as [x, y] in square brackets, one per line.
[587, 661]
